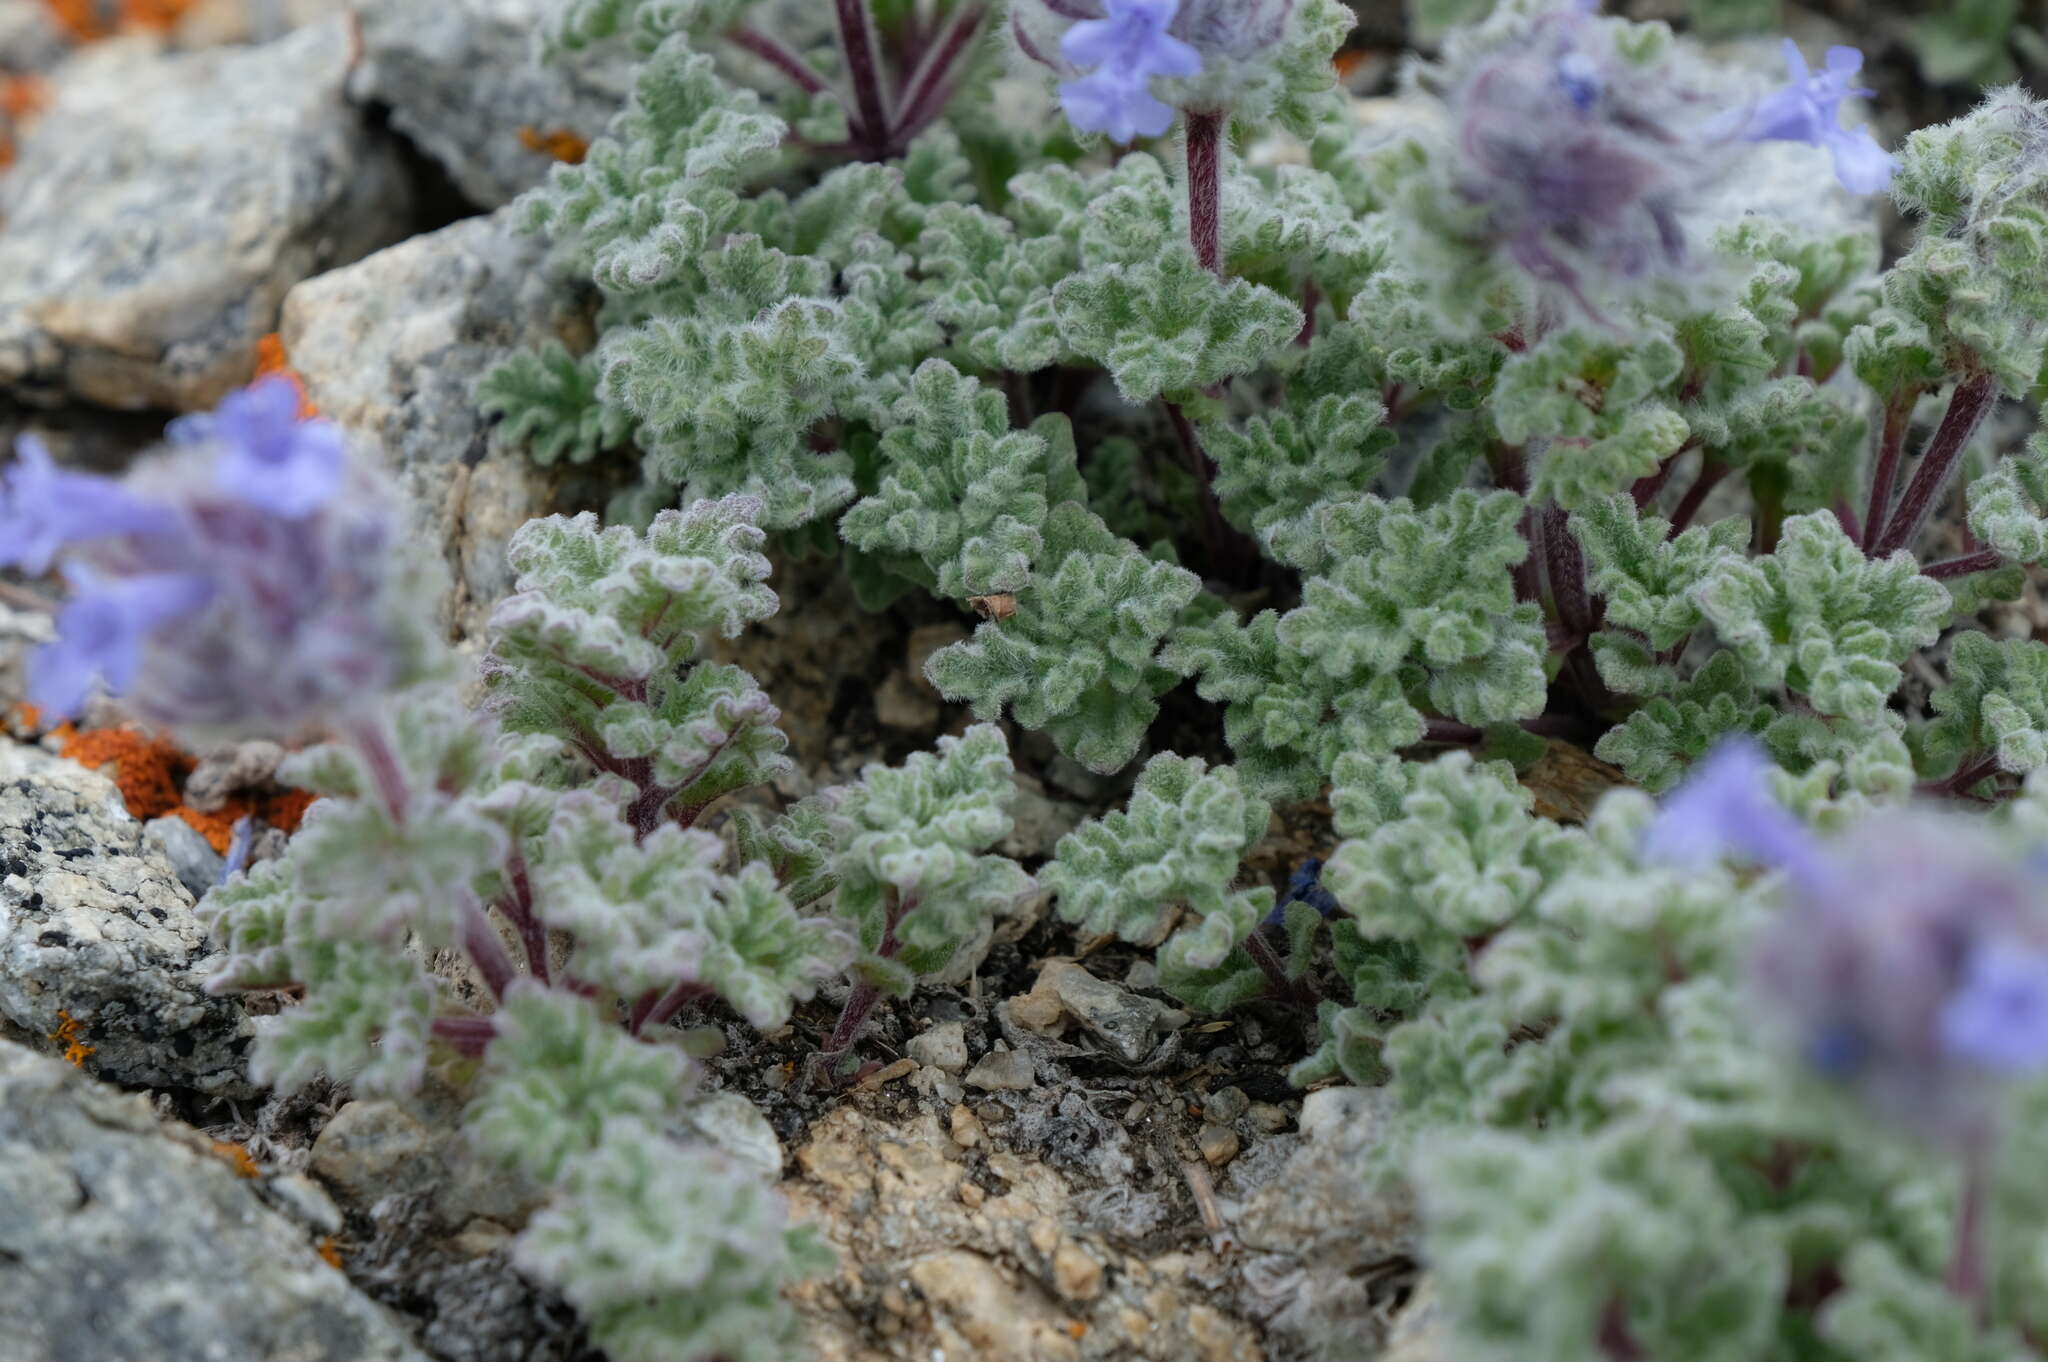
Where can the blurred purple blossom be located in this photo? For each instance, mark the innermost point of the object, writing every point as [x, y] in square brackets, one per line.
[269, 457]
[1127, 48]
[1810, 110]
[102, 632]
[1725, 808]
[44, 507]
[1998, 1018]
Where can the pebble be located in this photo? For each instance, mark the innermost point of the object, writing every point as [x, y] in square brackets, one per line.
[1269, 1118]
[1219, 1145]
[1225, 1105]
[1076, 1274]
[943, 1047]
[1003, 1071]
[965, 1128]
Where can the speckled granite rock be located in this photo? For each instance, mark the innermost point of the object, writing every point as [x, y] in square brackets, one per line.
[393, 347]
[29, 38]
[463, 78]
[162, 206]
[123, 1236]
[94, 926]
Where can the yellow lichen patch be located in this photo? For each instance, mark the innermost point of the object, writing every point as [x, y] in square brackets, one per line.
[66, 1035]
[330, 1252]
[238, 1158]
[563, 145]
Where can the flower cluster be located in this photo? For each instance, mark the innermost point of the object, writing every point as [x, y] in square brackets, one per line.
[251, 578]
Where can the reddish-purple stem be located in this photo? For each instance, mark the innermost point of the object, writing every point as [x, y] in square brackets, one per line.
[1228, 549]
[1967, 1277]
[517, 906]
[470, 1035]
[925, 93]
[1891, 445]
[374, 742]
[779, 56]
[1964, 564]
[857, 38]
[1695, 496]
[1648, 486]
[1845, 516]
[486, 949]
[656, 1007]
[1300, 992]
[1205, 188]
[1971, 401]
[862, 1000]
[1565, 566]
[1967, 777]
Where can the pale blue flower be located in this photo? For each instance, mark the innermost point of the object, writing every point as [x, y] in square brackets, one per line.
[1725, 808]
[102, 632]
[1127, 49]
[1810, 110]
[44, 507]
[1997, 1019]
[268, 456]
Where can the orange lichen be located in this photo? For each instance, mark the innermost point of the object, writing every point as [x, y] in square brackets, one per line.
[563, 145]
[148, 771]
[238, 1158]
[21, 96]
[6, 151]
[66, 1035]
[26, 718]
[329, 1250]
[88, 21]
[272, 359]
[160, 15]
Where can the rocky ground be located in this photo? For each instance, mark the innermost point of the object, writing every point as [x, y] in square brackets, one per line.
[1050, 1160]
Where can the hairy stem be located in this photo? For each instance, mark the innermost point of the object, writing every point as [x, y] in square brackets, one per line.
[1968, 405]
[373, 740]
[1300, 992]
[657, 1008]
[1891, 444]
[486, 950]
[1711, 473]
[779, 56]
[1973, 772]
[470, 1035]
[862, 1000]
[1964, 564]
[517, 906]
[1565, 566]
[857, 38]
[1205, 188]
[1967, 1275]
[931, 83]
[1229, 550]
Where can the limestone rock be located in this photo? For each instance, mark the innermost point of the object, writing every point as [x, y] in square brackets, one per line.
[942, 1047]
[464, 78]
[393, 347]
[162, 206]
[97, 935]
[124, 1236]
[193, 860]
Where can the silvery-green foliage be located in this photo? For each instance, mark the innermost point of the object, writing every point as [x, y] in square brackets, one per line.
[648, 914]
[909, 853]
[557, 1071]
[365, 1017]
[1176, 845]
[1657, 742]
[671, 1252]
[963, 499]
[596, 648]
[1650, 580]
[1083, 656]
[549, 405]
[1601, 405]
[1820, 619]
[1995, 704]
[2009, 505]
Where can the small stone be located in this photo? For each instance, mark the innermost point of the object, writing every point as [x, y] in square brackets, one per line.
[1128, 1023]
[1075, 1273]
[899, 704]
[971, 1195]
[965, 1128]
[736, 1126]
[192, 857]
[1218, 1145]
[1268, 1118]
[1003, 1071]
[304, 1199]
[1225, 1105]
[1142, 974]
[1036, 822]
[480, 1238]
[889, 1073]
[943, 1047]
[372, 1149]
[1039, 1010]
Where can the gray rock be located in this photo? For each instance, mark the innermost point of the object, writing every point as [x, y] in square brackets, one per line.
[162, 206]
[463, 78]
[231, 769]
[942, 1047]
[1128, 1023]
[377, 1151]
[393, 346]
[193, 859]
[1036, 822]
[124, 1236]
[21, 632]
[1225, 1105]
[94, 927]
[29, 38]
[1003, 1071]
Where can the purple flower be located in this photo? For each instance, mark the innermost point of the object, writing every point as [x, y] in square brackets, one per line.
[102, 631]
[1127, 49]
[1725, 808]
[1810, 110]
[44, 507]
[1997, 1019]
[269, 457]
